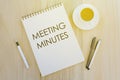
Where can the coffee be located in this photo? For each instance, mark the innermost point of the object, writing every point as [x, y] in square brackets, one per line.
[87, 14]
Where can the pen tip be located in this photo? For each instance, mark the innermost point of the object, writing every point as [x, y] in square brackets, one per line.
[17, 43]
[87, 68]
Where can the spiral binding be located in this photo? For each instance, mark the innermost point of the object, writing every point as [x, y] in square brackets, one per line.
[41, 11]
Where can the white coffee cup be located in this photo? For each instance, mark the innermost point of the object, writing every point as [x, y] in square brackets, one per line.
[85, 17]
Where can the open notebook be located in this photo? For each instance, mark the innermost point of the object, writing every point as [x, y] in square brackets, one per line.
[52, 39]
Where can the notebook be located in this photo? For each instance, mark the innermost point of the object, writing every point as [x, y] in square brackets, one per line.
[52, 39]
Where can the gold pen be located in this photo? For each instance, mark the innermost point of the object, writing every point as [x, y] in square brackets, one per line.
[93, 50]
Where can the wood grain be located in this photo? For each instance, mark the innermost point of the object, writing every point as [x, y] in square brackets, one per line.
[106, 65]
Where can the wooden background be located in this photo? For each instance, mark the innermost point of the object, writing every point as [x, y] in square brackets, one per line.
[106, 65]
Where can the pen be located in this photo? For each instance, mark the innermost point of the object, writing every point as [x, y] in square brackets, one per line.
[93, 51]
[22, 55]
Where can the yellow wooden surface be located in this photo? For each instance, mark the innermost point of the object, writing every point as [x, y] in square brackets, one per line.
[106, 65]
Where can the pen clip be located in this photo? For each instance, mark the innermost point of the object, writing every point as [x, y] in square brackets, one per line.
[97, 44]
